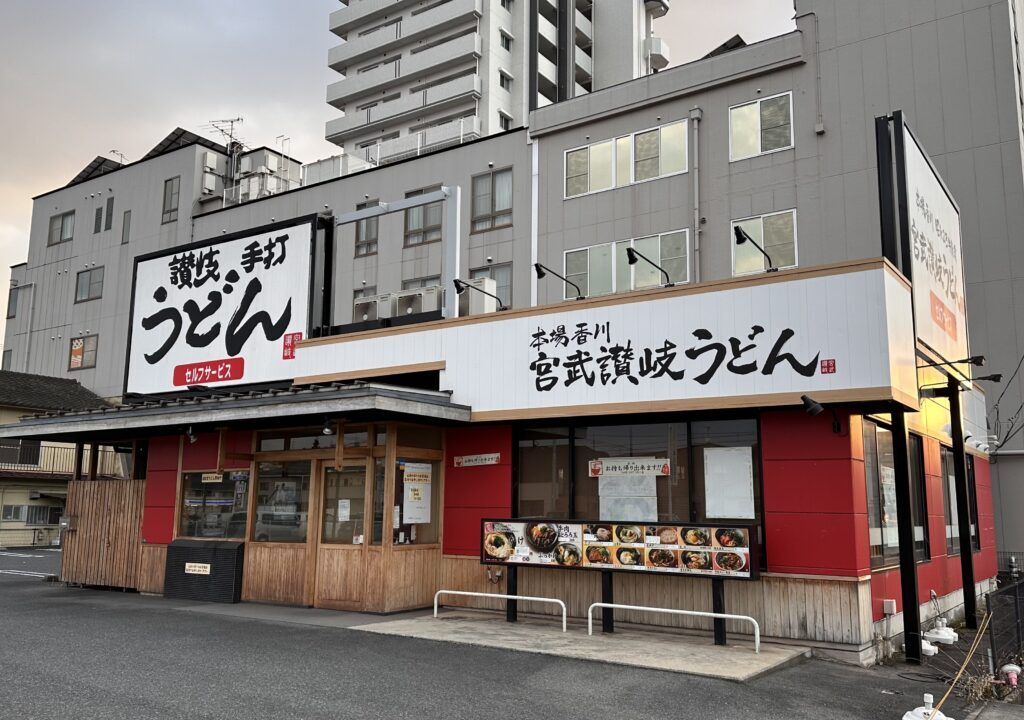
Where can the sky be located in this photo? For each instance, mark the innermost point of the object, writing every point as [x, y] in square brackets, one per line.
[82, 79]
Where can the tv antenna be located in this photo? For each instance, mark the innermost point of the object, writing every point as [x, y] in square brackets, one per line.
[226, 127]
[120, 155]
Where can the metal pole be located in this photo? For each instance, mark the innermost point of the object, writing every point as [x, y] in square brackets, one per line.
[963, 508]
[718, 607]
[511, 588]
[76, 470]
[607, 596]
[905, 533]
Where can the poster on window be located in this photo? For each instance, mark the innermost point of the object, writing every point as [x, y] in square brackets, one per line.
[887, 478]
[416, 478]
[937, 267]
[225, 311]
[729, 482]
[77, 354]
[672, 549]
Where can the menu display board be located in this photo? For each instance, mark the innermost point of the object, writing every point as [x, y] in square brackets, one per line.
[659, 548]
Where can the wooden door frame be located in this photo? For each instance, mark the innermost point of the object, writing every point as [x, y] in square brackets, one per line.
[322, 467]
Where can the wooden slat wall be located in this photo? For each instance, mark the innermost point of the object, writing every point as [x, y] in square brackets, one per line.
[151, 568]
[105, 548]
[412, 575]
[275, 573]
[822, 610]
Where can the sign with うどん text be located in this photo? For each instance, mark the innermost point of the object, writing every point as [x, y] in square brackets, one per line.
[848, 332]
[937, 268]
[222, 312]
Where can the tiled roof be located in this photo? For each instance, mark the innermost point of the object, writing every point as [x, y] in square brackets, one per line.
[41, 392]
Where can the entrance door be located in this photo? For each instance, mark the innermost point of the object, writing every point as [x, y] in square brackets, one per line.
[343, 536]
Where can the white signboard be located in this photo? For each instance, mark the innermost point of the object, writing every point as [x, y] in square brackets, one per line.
[476, 460]
[197, 569]
[852, 330]
[416, 500]
[222, 312]
[344, 510]
[936, 256]
[729, 483]
[629, 466]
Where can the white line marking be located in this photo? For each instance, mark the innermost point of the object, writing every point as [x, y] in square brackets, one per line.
[18, 555]
[23, 573]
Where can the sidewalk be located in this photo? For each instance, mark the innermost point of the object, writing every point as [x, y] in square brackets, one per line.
[998, 711]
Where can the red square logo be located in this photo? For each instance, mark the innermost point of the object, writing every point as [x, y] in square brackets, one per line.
[290, 341]
[828, 367]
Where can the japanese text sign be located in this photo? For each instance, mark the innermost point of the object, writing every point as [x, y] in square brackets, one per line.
[224, 312]
[937, 269]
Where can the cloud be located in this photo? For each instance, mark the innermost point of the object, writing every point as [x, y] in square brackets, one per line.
[692, 30]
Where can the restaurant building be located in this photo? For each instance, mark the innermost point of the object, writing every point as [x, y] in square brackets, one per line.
[644, 355]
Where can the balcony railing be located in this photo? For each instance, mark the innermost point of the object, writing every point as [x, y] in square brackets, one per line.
[427, 140]
[27, 457]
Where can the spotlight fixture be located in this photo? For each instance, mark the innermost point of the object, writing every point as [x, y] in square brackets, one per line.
[994, 377]
[461, 287]
[814, 408]
[633, 256]
[327, 429]
[742, 237]
[542, 271]
[191, 436]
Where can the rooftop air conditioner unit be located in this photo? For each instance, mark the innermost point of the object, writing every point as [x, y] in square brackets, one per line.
[374, 307]
[472, 302]
[420, 300]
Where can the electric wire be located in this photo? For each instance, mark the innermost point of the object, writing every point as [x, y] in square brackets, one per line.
[974, 646]
[1006, 387]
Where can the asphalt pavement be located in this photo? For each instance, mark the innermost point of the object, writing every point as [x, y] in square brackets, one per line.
[84, 654]
[29, 562]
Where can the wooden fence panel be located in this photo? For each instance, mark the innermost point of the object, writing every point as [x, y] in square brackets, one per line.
[104, 548]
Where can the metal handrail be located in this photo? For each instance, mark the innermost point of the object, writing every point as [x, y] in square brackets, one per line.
[467, 593]
[692, 613]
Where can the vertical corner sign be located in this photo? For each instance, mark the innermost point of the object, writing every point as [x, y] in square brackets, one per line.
[930, 224]
[225, 311]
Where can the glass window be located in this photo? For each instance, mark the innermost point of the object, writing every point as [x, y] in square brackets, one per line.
[952, 511]
[646, 149]
[576, 271]
[544, 473]
[83, 352]
[12, 302]
[89, 285]
[364, 292]
[601, 166]
[378, 502]
[425, 437]
[366, 231]
[775, 233]
[62, 228]
[98, 222]
[423, 223]
[492, 200]
[215, 505]
[344, 506]
[602, 269]
[705, 436]
[673, 148]
[502, 277]
[417, 283]
[126, 227]
[13, 513]
[7, 359]
[577, 172]
[310, 439]
[282, 502]
[760, 127]
[172, 188]
[918, 497]
[623, 161]
[42, 515]
[110, 214]
[417, 502]
[506, 41]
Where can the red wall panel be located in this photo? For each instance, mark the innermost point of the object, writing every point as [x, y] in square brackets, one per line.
[202, 454]
[473, 493]
[161, 490]
[163, 454]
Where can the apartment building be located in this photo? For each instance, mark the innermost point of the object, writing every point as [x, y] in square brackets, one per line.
[421, 74]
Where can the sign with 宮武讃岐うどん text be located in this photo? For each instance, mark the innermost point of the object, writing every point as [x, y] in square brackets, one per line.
[221, 312]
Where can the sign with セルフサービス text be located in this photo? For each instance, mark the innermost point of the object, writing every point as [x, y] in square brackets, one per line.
[937, 268]
[223, 312]
[843, 335]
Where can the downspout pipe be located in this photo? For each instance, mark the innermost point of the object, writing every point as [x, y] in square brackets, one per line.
[696, 115]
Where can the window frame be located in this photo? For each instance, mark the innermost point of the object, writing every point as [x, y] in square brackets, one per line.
[407, 284]
[505, 80]
[12, 302]
[62, 217]
[95, 351]
[13, 516]
[632, 268]
[425, 228]
[492, 214]
[972, 502]
[758, 101]
[108, 222]
[126, 227]
[505, 40]
[796, 241]
[7, 359]
[90, 296]
[631, 136]
[169, 215]
[361, 229]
